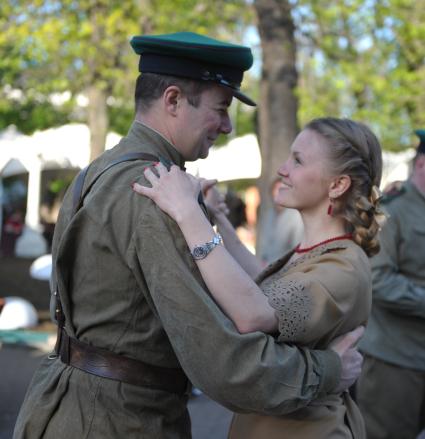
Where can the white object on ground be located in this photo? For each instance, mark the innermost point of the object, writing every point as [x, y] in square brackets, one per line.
[41, 268]
[17, 313]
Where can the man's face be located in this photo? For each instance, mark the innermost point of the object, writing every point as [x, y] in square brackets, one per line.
[199, 127]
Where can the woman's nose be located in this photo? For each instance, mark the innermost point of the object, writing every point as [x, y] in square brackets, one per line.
[283, 169]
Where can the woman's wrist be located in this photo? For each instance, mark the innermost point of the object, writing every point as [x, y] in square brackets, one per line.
[187, 212]
[220, 218]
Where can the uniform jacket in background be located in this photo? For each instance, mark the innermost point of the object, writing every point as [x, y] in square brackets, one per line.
[396, 330]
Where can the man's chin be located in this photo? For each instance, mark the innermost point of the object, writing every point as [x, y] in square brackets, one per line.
[203, 153]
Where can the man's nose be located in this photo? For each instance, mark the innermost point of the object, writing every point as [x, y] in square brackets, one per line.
[226, 125]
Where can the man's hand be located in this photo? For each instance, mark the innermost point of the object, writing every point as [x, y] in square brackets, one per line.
[351, 359]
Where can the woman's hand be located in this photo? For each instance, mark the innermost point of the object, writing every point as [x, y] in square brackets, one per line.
[174, 191]
[214, 199]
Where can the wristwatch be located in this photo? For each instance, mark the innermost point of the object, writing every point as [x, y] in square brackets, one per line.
[201, 251]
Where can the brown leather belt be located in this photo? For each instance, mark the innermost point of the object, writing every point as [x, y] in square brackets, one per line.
[106, 364]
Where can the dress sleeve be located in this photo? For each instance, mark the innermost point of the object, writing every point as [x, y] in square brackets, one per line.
[246, 373]
[321, 299]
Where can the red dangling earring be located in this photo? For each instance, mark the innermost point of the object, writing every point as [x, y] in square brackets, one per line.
[330, 207]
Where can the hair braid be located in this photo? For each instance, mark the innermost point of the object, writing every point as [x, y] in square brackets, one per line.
[355, 151]
[364, 215]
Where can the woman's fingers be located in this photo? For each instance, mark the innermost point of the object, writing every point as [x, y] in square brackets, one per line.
[150, 176]
[143, 190]
[167, 184]
[162, 170]
[206, 185]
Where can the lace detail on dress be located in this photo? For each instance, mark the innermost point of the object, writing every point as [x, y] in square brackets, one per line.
[291, 302]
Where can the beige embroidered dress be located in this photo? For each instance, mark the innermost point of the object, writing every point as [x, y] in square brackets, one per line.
[322, 294]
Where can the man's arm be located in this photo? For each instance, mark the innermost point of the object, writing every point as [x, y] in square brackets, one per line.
[391, 288]
[251, 372]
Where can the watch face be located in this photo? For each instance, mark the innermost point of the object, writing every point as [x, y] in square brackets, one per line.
[199, 252]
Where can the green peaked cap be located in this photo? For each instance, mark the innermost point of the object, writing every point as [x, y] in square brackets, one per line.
[421, 135]
[194, 56]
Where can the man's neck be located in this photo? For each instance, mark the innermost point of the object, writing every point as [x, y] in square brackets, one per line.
[418, 183]
[151, 122]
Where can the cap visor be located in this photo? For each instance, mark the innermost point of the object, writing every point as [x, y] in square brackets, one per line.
[244, 98]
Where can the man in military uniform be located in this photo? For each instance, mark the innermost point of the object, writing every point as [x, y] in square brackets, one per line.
[135, 319]
[391, 390]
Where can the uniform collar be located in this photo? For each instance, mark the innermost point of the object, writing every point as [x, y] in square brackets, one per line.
[152, 141]
[410, 187]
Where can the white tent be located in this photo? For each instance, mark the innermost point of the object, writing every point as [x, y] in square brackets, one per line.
[67, 146]
[396, 166]
[237, 160]
[56, 148]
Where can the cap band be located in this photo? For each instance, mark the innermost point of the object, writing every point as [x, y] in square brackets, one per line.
[421, 146]
[188, 68]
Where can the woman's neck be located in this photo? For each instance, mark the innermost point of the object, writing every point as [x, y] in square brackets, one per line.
[319, 228]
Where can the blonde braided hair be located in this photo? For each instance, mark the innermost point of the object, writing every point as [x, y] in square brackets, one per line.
[355, 151]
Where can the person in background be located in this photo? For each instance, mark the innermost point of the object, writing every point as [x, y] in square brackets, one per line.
[391, 389]
[317, 291]
[12, 230]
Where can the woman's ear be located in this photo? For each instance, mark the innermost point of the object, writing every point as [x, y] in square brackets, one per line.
[172, 98]
[339, 186]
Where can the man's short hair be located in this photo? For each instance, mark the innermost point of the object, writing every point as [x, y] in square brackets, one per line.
[151, 86]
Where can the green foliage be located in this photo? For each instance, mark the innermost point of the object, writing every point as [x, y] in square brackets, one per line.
[364, 59]
[357, 58]
[50, 46]
[30, 116]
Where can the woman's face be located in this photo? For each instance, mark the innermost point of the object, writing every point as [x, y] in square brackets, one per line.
[305, 175]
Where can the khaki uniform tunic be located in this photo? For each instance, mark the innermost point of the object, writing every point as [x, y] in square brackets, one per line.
[317, 297]
[128, 284]
[396, 330]
[391, 389]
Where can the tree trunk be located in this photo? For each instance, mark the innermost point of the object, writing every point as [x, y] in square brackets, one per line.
[97, 120]
[278, 103]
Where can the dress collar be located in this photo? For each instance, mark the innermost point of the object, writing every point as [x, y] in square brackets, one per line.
[317, 251]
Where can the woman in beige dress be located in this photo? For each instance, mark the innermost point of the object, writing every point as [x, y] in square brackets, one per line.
[317, 291]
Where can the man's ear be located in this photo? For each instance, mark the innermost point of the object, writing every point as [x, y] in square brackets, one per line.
[172, 99]
[339, 185]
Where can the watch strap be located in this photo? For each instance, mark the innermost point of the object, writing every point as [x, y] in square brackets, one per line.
[201, 251]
